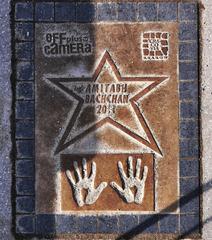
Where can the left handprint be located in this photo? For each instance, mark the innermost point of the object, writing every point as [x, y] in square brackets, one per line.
[85, 182]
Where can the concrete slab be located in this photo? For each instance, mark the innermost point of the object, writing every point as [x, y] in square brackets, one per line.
[206, 114]
[5, 131]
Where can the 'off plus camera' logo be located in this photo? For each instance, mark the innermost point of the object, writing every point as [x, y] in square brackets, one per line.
[67, 44]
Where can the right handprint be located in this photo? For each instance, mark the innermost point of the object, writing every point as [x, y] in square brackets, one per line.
[131, 181]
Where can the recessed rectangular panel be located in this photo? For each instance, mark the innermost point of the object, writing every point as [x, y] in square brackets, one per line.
[107, 172]
[108, 92]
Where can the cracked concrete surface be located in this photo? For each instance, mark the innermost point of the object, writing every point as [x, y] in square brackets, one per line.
[206, 112]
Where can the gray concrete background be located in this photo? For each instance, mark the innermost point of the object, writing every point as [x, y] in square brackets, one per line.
[206, 110]
[5, 113]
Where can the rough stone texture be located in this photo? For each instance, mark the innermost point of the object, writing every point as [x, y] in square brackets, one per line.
[206, 118]
[5, 111]
[105, 140]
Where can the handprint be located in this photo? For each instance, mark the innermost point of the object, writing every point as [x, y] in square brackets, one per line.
[131, 181]
[85, 182]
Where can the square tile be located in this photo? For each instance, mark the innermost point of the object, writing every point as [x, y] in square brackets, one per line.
[25, 168]
[87, 224]
[25, 109]
[107, 11]
[24, 11]
[188, 71]
[189, 148]
[44, 11]
[66, 224]
[108, 224]
[127, 12]
[25, 70]
[147, 12]
[25, 148]
[25, 186]
[24, 91]
[65, 11]
[189, 110]
[188, 31]
[188, 11]
[189, 187]
[188, 51]
[148, 223]
[167, 11]
[25, 224]
[128, 223]
[189, 129]
[24, 31]
[189, 90]
[189, 168]
[169, 224]
[85, 12]
[189, 224]
[25, 204]
[24, 129]
[190, 204]
[45, 224]
[24, 51]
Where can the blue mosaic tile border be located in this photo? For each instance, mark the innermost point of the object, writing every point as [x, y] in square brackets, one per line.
[26, 14]
[24, 112]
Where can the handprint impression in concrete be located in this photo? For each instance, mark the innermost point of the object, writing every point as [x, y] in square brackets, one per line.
[131, 181]
[85, 182]
[93, 194]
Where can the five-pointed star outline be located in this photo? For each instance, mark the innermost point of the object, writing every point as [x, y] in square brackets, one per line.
[151, 143]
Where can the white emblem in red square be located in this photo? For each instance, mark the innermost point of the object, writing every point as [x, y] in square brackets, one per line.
[155, 46]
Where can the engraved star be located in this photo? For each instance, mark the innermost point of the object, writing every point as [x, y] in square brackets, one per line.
[121, 104]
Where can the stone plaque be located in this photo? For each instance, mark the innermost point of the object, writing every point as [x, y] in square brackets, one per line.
[111, 102]
[106, 119]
